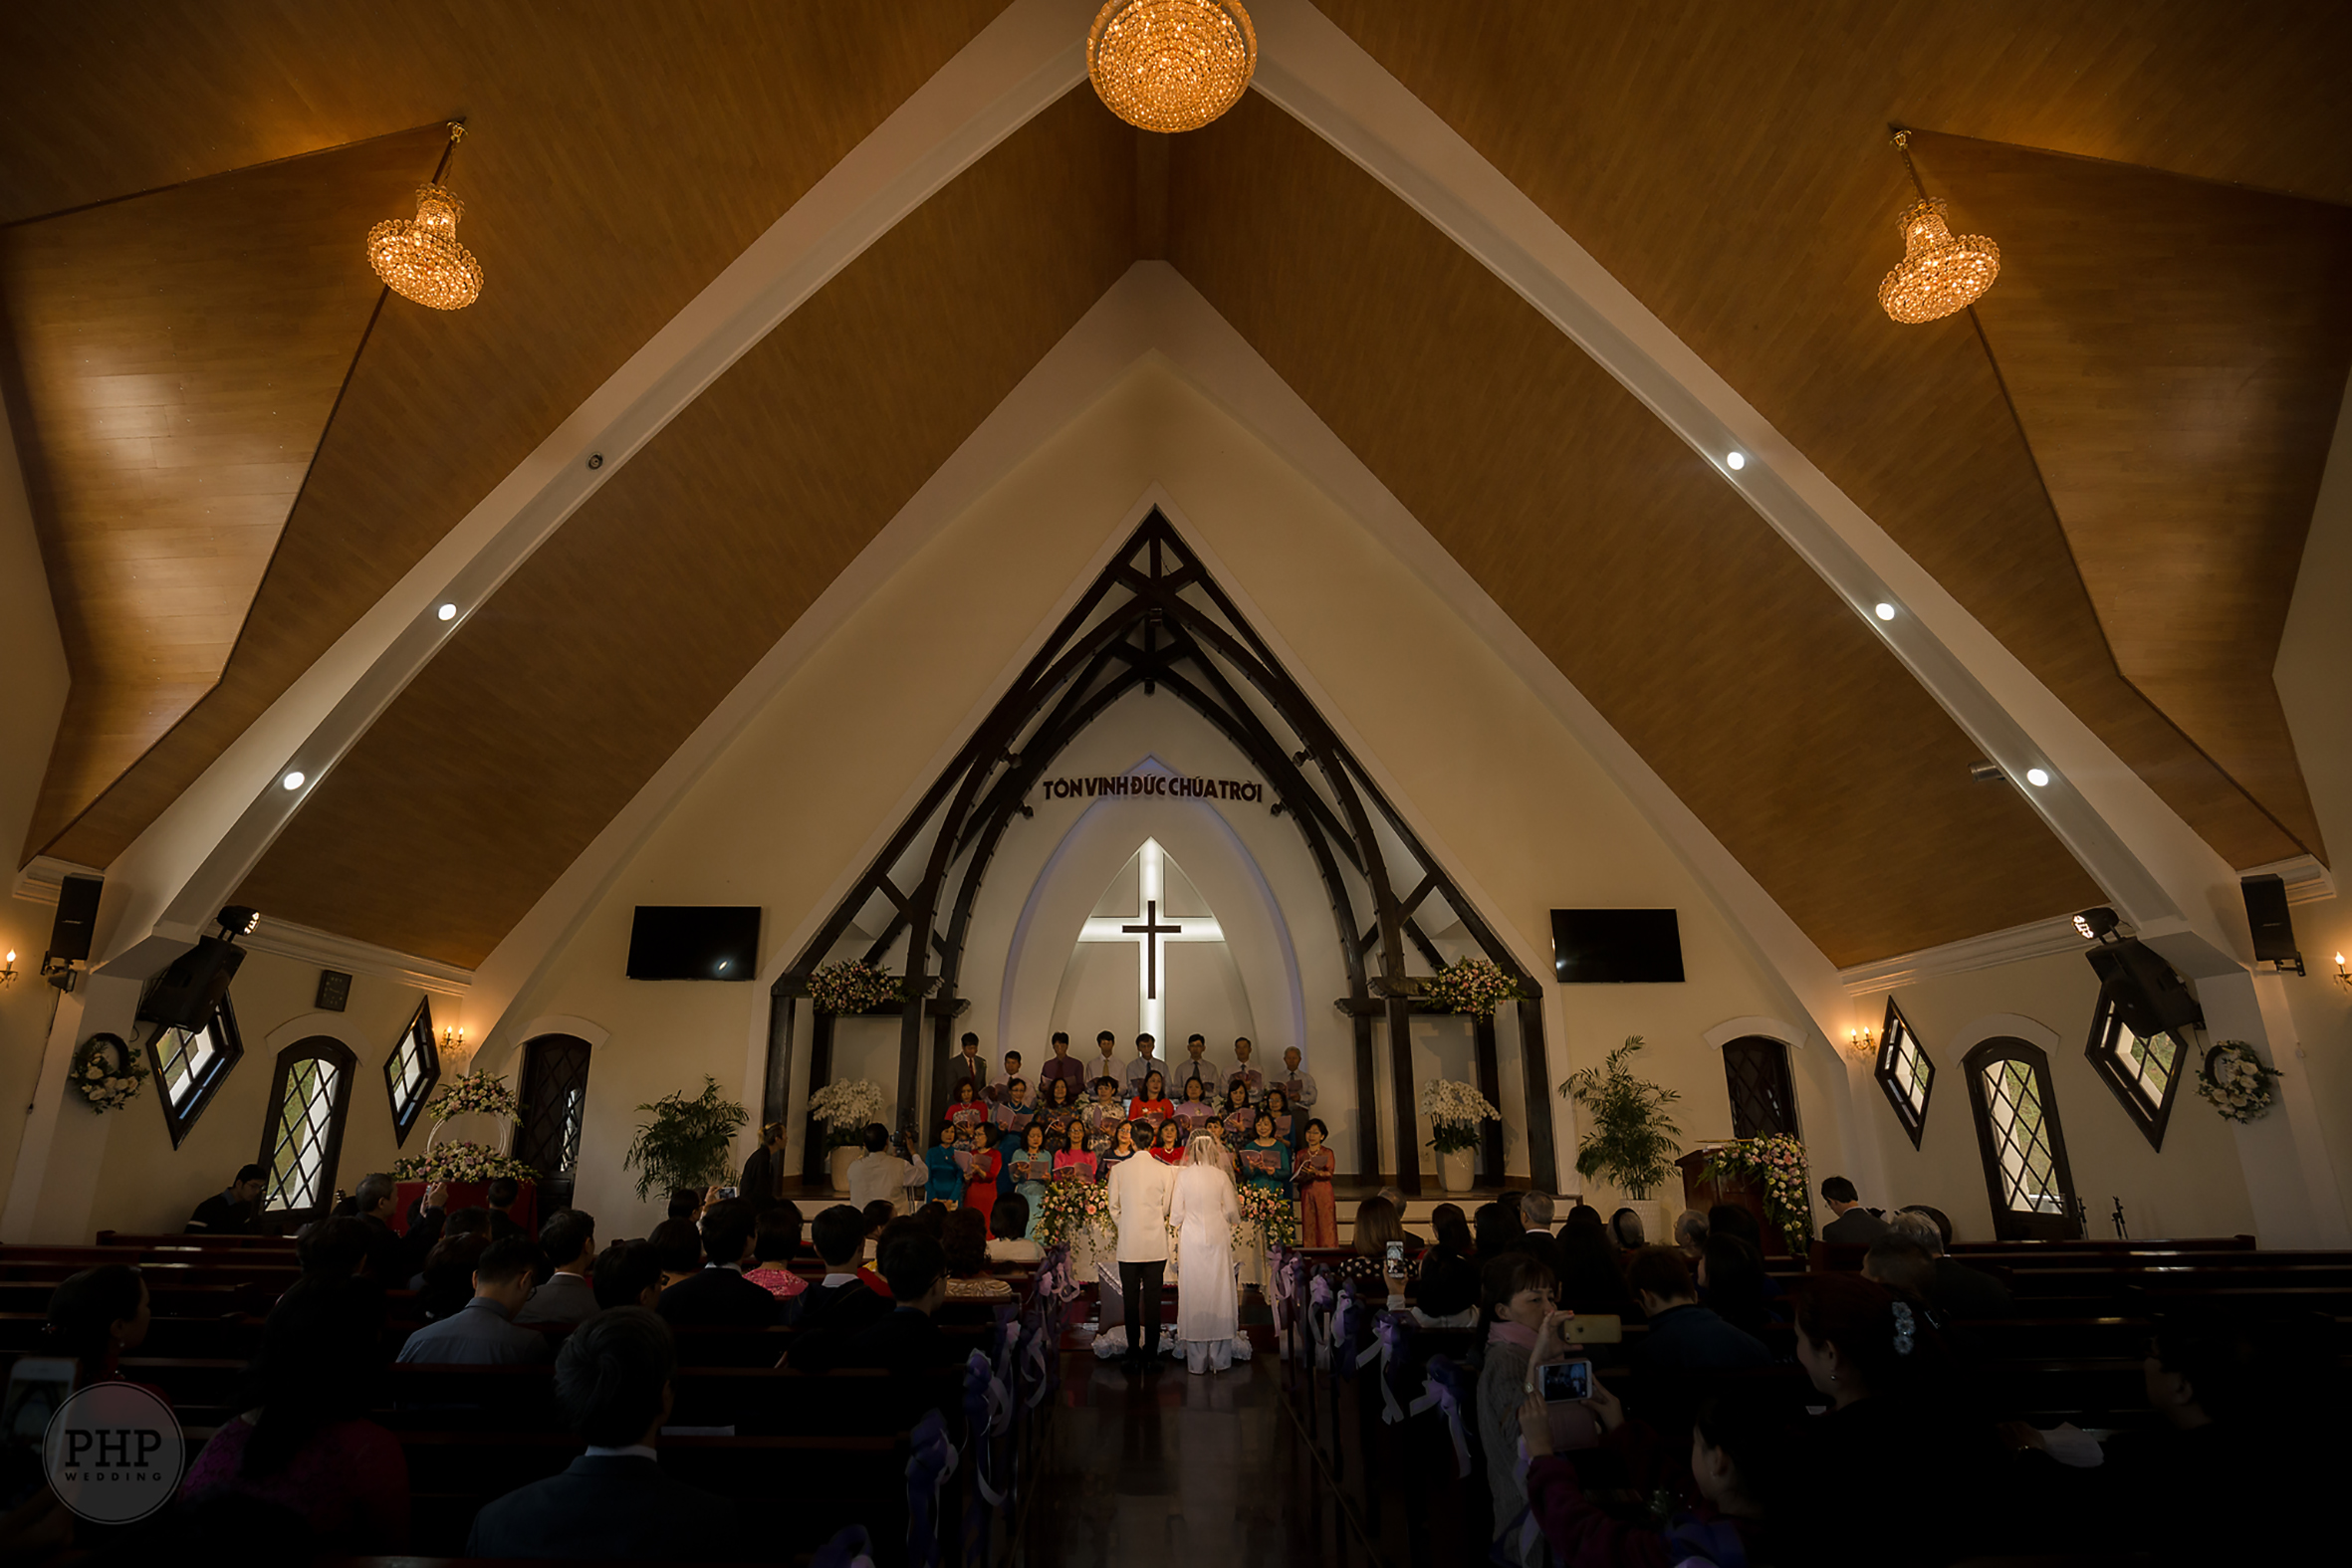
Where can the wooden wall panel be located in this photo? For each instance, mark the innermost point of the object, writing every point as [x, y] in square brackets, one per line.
[1730, 165]
[561, 696]
[620, 156]
[170, 361]
[2175, 350]
[1760, 700]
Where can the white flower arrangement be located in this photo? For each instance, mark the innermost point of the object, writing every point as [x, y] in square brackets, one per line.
[108, 1074]
[460, 1160]
[470, 1093]
[1455, 1111]
[846, 1109]
[851, 986]
[2236, 1082]
[1475, 985]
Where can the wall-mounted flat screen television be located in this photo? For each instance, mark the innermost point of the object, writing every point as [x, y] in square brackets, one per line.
[1616, 947]
[695, 942]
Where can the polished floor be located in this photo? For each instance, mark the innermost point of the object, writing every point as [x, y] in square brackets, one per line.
[1146, 1469]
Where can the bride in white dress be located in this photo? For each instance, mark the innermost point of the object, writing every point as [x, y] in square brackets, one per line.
[1203, 1212]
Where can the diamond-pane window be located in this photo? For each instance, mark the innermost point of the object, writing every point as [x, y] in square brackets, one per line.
[192, 1064]
[2024, 1151]
[1905, 1074]
[2142, 1071]
[303, 1137]
[1764, 1103]
[412, 1071]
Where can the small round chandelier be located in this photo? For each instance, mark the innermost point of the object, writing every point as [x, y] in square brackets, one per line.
[1938, 274]
[1171, 65]
[420, 258]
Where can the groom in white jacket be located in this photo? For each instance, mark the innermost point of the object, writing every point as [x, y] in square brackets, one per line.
[1138, 1192]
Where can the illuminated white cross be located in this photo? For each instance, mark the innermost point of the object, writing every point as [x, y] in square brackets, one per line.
[1151, 931]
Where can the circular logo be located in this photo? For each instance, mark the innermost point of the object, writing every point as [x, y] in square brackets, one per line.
[113, 1453]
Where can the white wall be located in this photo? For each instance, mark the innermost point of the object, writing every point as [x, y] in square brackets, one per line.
[1500, 790]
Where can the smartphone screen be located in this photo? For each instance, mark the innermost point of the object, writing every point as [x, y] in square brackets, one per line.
[1566, 1380]
[729, 1192]
[1396, 1256]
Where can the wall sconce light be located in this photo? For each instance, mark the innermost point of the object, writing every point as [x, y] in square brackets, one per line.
[8, 973]
[2342, 978]
[1859, 1042]
[453, 1043]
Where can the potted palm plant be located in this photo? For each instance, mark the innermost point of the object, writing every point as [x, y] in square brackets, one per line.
[688, 1143]
[1628, 1140]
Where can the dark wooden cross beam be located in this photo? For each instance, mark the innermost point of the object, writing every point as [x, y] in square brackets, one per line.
[1151, 931]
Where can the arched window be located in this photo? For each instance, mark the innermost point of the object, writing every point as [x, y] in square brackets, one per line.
[192, 1064]
[412, 1071]
[1905, 1074]
[1755, 1070]
[554, 1100]
[2024, 1149]
[2143, 1074]
[303, 1137]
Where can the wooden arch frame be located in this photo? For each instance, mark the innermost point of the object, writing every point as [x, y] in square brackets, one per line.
[1156, 618]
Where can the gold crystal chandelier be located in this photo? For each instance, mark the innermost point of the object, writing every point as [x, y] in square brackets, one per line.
[420, 258]
[1171, 65]
[1938, 274]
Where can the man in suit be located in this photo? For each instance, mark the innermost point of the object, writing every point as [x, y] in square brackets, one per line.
[1396, 1199]
[569, 1241]
[1139, 1191]
[1958, 1291]
[393, 1258]
[614, 1384]
[501, 1196]
[1196, 1064]
[484, 1333]
[968, 1063]
[1854, 1226]
[718, 1293]
[841, 1300]
[1535, 1213]
[903, 1340]
[233, 1211]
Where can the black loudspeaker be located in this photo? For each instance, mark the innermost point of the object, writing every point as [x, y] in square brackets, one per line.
[2148, 996]
[2275, 928]
[190, 992]
[77, 917]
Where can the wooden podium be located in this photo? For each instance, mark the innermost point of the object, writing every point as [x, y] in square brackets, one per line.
[1703, 1194]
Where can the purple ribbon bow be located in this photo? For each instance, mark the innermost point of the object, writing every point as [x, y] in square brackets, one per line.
[1442, 1391]
[987, 1408]
[1391, 1330]
[932, 1461]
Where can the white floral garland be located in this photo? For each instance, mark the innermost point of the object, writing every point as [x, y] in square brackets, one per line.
[2236, 1082]
[475, 1093]
[851, 986]
[1475, 985]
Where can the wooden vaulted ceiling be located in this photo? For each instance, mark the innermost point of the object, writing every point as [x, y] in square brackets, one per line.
[1731, 168]
[619, 156]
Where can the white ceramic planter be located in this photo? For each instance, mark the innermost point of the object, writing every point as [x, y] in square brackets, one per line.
[837, 1165]
[1458, 1170]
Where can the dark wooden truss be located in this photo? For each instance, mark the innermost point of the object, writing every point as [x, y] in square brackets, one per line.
[1157, 620]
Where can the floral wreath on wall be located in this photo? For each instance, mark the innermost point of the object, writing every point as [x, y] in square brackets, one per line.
[2236, 1082]
[108, 1074]
[852, 986]
[1475, 985]
[1776, 1162]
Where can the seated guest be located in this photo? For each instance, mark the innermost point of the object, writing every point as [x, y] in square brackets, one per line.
[1961, 1293]
[1535, 1213]
[393, 1258]
[1735, 1458]
[303, 1442]
[233, 1211]
[484, 1333]
[1445, 1289]
[1690, 1234]
[1854, 1226]
[446, 1284]
[1733, 1219]
[1684, 1336]
[97, 1317]
[964, 1245]
[1733, 1282]
[1585, 1214]
[871, 1274]
[1376, 1224]
[335, 1248]
[775, 1238]
[1626, 1229]
[685, 1204]
[1591, 1279]
[875, 1216]
[569, 1242]
[1396, 1199]
[905, 1340]
[717, 1293]
[628, 1275]
[841, 1299]
[678, 1242]
[613, 1382]
[1013, 1245]
[1496, 1230]
[501, 1196]
[1902, 1265]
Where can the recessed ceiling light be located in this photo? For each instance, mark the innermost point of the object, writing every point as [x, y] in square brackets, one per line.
[447, 612]
[293, 780]
[2036, 776]
[1884, 610]
[1735, 461]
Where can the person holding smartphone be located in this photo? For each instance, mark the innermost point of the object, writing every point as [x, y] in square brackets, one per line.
[1516, 1293]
